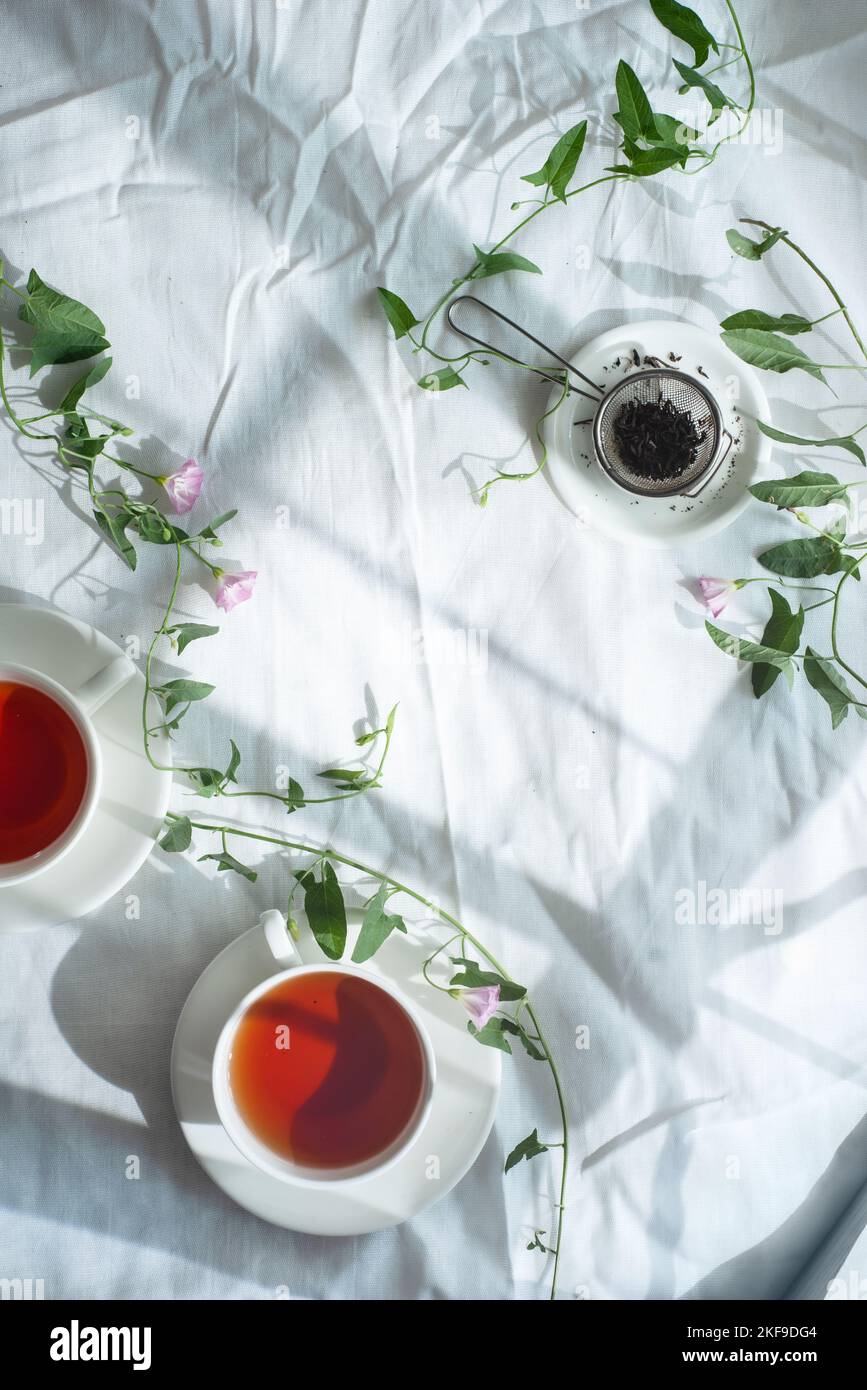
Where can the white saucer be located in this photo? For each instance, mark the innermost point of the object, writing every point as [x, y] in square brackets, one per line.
[134, 797]
[460, 1120]
[584, 487]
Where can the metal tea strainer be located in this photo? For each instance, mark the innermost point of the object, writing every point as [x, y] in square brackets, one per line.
[656, 383]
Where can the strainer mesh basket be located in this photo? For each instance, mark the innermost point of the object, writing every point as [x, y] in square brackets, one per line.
[687, 395]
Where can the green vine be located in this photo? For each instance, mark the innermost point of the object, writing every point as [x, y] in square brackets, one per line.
[652, 143]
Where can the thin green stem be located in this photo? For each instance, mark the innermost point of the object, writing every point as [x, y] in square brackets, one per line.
[786, 239]
[834, 617]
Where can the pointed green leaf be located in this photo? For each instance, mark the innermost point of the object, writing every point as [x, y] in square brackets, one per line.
[66, 331]
[528, 1148]
[685, 24]
[182, 692]
[646, 163]
[491, 1035]
[770, 352]
[498, 262]
[845, 441]
[802, 559]
[783, 634]
[718, 99]
[472, 977]
[749, 249]
[326, 911]
[228, 864]
[112, 525]
[376, 927]
[442, 380]
[178, 836]
[743, 650]
[824, 676]
[805, 490]
[561, 163]
[185, 633]
[401, 318]
[84, 383]
[757, 318]
[635, 112]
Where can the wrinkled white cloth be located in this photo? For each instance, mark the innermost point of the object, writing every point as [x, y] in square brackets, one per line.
[226, 183]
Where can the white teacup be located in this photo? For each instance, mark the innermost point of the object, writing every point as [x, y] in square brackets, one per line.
[273, 925]
[80, 705]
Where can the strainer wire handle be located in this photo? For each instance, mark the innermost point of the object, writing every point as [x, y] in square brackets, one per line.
[721, 458]
[498, 352]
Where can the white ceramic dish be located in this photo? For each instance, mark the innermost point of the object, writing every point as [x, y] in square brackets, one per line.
[133, 797]
[459, 1120]
[583, 486]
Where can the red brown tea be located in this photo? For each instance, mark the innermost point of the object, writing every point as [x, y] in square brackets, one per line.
[43, 771]
[327, 1069]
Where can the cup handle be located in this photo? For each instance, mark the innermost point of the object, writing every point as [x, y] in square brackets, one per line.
[97, 691]
[280, 944]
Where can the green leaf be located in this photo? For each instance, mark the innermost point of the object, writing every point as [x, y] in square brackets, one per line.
[672, 132]
[88, 448]
[783, 633]
[531, 1047]
[646, 163]
[743, 650]
[491, 1035]
[685, 24]
[181, 692]
[66, 331]
[326, 911]
[805, 490]
[844, 441]
[228, 864]
[178, 836]
[210, 781]
[749, 249]
[472, 977]
[186, 633]
[561, 163]
[757, 318]
[803, 559]
[824, 677]
[718, 99]
[376, 927]
[209, 532]
[442, 380]
[401, 318]
[528, 1148]
[112, 525]
[770, 352]
[84, 383]
[497, 262]
[294, 796]
[155, 528]
[635, 113]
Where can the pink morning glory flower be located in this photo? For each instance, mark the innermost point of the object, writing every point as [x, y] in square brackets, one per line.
[481, 1004]
[233, 589]
[184, 486]
[716, 593]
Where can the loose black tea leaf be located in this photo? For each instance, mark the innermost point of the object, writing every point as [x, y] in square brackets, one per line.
[656, 440]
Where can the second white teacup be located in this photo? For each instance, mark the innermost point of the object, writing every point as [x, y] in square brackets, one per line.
[348, 1087]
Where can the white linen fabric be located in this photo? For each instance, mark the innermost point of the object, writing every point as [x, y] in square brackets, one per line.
[226, 183]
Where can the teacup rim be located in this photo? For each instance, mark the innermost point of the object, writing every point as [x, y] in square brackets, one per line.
[258, 1153]
[22, 871]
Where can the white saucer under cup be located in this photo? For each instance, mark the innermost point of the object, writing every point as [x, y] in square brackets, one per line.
[458, 1124]
[134, 797]
[583, 486]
